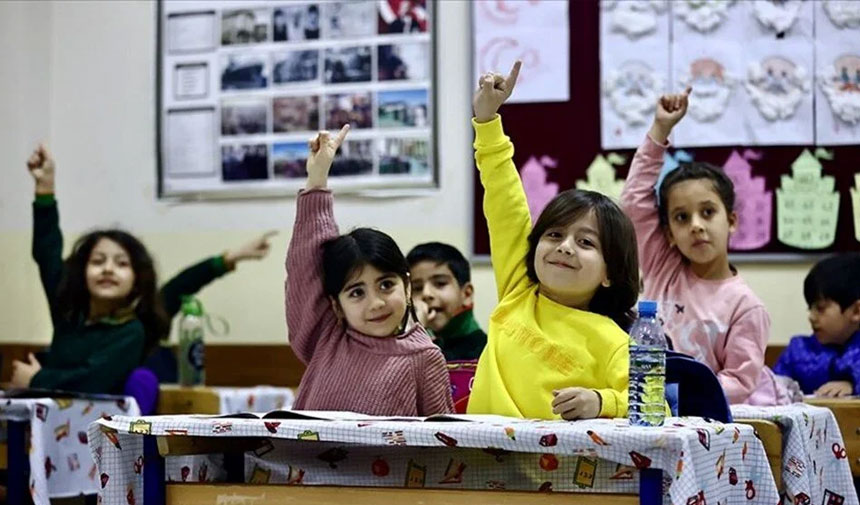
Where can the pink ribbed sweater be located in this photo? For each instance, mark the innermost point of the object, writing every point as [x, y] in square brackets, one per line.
[403, 375]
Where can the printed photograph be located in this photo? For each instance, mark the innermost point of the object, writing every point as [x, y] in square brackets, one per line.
[403, 156]
[296, 66]
[246, 117]
[353, 108]
[349, 19]
[355, 157]
[348, 64]
[244, 162]
[295, 114]
[405, 108]
[404, 62]
[289, 159]
[292, 23]
[243, 71]
[244, 26]
[402, 16]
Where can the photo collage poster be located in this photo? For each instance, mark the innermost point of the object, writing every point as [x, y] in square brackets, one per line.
[244, 84]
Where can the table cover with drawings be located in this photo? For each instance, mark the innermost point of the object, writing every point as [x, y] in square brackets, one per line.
[703, 462]
[60, 462]
[815, 467]
[231, 401]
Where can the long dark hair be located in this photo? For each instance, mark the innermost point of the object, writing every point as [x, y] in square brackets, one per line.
[617, 242]
[345, 255]
[73, 296]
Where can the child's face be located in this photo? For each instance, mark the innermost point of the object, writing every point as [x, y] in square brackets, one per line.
[373, 302]
[831, 324]
[109, 274]
[569, 262]
[434, 284]
[698, 222]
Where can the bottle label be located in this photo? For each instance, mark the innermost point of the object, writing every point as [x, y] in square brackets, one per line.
[196, 355]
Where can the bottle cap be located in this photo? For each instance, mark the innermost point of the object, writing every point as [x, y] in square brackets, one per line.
[647, 308]
[191, 306]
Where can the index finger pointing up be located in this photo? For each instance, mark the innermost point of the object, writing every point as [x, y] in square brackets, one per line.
[341, 135]
[515, 73]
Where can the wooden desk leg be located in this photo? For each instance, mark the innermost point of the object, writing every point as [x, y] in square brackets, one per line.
[19, 463]
[153, 473]
[650, 486]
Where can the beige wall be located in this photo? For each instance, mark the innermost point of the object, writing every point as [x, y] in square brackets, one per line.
[81, 76]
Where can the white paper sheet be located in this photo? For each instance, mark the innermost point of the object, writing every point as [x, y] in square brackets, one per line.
[536, 33]
[190, 138]
[190, 81]
[191, 32]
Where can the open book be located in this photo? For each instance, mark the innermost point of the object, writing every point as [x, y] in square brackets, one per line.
[334, 415]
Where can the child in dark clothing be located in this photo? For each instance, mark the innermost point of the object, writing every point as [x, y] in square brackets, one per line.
[826, 362]
[442, 294]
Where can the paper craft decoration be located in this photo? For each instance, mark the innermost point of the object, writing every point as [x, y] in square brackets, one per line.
[538, 190]
[633, 18]
[670, 162]
[776, 87]
[840, 83]
[753, 203]
[702, 15]
[537, 33]
[712, 87]
[600, 176]
[843, 13]
[777, 15]
[633, 90]
[855, 205]
[807, 205]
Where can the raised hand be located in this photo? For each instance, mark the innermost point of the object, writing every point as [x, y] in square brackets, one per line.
[670, 109]
[322, 150]
[255, 249]
[493, 90]
[41, 167]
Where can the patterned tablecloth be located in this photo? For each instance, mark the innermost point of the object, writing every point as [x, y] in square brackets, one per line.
[815, 467]
[60, 462]
[703, 462]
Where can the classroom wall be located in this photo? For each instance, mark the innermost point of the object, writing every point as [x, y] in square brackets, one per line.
[81, 76]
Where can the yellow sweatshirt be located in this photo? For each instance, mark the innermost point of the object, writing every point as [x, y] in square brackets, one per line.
[535, 345]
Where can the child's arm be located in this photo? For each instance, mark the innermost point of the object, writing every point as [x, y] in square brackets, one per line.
[847, 368]
[746, 342]
[638, 198]
[505, 205]
[47, 238]
[309, 312]
[194, 278]
[611, 401]
[434, 384]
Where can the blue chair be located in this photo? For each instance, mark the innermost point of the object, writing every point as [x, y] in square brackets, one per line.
[699, 392]
[142, 385]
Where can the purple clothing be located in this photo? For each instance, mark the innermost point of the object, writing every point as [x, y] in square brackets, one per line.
[401, 375]
[812, 364]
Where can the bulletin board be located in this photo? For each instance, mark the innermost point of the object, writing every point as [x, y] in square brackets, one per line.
[244, 84]
[560, 145]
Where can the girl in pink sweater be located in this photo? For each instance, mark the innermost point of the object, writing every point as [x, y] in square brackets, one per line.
[706, 308]
[349, 312]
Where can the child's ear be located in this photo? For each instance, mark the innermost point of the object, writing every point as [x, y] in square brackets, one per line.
[335, 306]
[468, 292]
[733, 222]
[854, 312]
[669, 237]
[606, 283]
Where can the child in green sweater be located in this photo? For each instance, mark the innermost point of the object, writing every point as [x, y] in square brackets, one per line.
[105, 306]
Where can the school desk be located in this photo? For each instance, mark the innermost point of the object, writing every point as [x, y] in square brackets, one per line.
[175, 399]
[57, 463]
[693, 460]
[847, 412]
[814, 467]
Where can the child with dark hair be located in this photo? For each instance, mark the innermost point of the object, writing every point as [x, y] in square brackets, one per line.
[349, 312]
[556, 347]
[706, 308]
[826, 362]
[442, 294]
[107, 311]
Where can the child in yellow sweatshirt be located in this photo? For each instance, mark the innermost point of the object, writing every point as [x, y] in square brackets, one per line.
[565, 286]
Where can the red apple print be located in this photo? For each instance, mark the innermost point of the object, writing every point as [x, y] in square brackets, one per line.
[548, 462]
[380, 468]
[272, 427]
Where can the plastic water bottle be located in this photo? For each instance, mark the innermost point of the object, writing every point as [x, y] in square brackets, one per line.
[192, 371]
[647, 368]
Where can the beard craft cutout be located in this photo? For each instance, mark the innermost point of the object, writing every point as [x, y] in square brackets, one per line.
[843, 13]
[633, 18]
[776, 87]
[633, 90]
[777, 15]
[702, 15]
[840, 83]
[712, 88]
